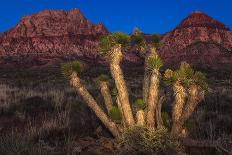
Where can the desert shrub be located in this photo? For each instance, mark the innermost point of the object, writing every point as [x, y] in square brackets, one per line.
[147, 141]
[19, 144]
[140, 104]
[115, 114]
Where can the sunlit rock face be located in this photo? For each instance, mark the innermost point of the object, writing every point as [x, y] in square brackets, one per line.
[53, 36]
[200, 40]
[50, 35]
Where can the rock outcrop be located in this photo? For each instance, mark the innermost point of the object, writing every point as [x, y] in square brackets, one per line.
[54, 36]
[51, 35]
[200, 40]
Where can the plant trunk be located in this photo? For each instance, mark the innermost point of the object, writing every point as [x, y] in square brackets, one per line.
[116, 57]
[193, 100]
[105, 91]
[147, 75]
[152, 98]
[146, 80]
[177, 109]
[121, 111]
[89, 100]
[140, 116]
[158, 112]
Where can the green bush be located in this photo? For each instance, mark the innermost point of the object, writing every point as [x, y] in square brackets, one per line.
[140, 104]
[146, 141]
[115, 114]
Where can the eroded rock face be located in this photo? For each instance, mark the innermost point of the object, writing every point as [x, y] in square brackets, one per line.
[50, 35]
[200, 40]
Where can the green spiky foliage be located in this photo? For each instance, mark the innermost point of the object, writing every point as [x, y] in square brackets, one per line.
[108, 41]
[155, 38]
[186, 75]
[200, 80]
[115, 114]
[69, 67]
[114, 91]
[140, 104]
[102, 78]
[154, 62]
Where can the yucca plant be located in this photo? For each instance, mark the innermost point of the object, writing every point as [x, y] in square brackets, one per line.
[188, 87]
[108, 41]
[69, 67]
[103, 82]
[186, 84]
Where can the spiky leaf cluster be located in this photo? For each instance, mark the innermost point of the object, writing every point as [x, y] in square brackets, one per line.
[186, 76]
[115, 114]
[69, 67]
[102, 78]
[140, 104]
[154, 62]
[114, 91]
[108, 41]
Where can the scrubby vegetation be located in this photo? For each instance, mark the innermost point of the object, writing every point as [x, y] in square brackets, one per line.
[41, 114]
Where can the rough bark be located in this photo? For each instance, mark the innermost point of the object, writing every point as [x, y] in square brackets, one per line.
[195, 96]
[121, 111]
[158, 113]
[177, 109]
[147, 75]
[152, 98]
[146, 80]
[105, 91]
[115, 59]
[140, 117]
[89, 100]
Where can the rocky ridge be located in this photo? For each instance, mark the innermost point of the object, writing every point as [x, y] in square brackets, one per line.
[54, 36]
[200, 40]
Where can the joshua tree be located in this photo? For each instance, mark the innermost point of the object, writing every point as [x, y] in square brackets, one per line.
[186, 84]
[119, 117]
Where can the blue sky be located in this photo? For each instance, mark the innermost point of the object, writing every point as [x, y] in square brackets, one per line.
[151, 16]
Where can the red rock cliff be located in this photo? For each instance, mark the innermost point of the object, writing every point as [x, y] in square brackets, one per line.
[51, 35]
[200, 40]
